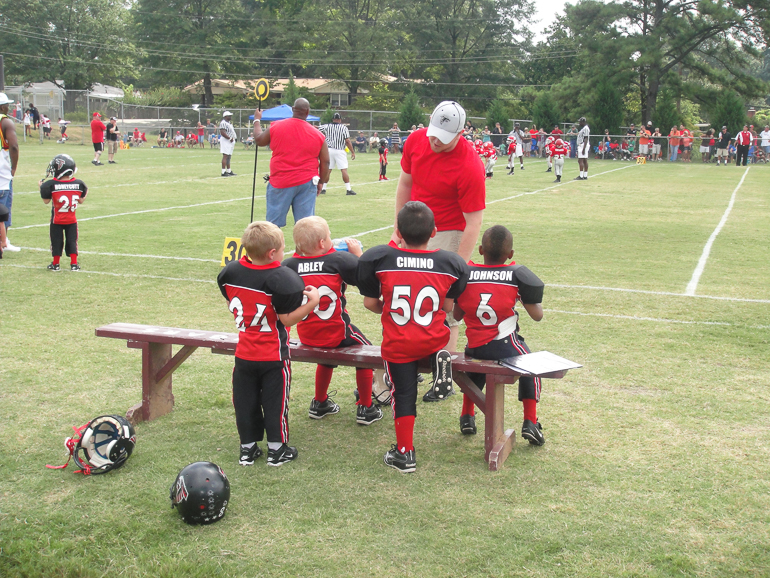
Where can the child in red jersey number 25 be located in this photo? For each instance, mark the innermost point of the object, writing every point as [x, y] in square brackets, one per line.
[265, 298]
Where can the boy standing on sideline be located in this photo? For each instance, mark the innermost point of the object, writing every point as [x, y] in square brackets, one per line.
[112, 139]
[331, 271]
[557, 153]
[67, 193]
[412, 288]
[491, 322]
[383, 150]
[265, 298]
[97, 138]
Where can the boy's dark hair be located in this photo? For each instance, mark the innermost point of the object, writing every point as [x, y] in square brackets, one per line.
[415, 223]
[497, 243]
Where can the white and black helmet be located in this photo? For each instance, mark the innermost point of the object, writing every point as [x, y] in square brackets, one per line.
[201, 492]
[61, 167]
[101, 445]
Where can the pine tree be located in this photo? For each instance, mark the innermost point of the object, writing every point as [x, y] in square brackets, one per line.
[411, 113]
[730, 111]
[327, 115]
[291, 93]
[498, 112]
[544, 111]
[666, 114]
[607, 109]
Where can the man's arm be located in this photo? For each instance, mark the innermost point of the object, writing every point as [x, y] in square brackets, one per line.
[323, 164]
[13, 144]
[403, 196]
[261, 138]
[471, 234]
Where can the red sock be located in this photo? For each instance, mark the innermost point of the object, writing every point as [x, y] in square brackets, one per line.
[364, 383]
[56, 260]
[405, 433]
[530, 410]
[469, 408]
[74, 258]
[323, 377]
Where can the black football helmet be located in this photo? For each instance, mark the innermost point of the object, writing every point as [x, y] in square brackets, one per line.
[383, 142]
[101, 445]
[61, 167]
[201, 492]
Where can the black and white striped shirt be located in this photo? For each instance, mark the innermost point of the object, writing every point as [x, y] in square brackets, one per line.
[335, 134]
[228, 128]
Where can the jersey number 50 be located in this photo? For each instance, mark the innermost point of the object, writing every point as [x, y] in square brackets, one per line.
[400, 301]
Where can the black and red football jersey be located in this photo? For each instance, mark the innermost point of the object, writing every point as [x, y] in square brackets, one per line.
[256, 295]
[490, 297]
[329, 324]
[413, 285]
[65, 196]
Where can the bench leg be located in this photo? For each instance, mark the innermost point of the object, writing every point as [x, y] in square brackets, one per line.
[157, 398]
[497, 443]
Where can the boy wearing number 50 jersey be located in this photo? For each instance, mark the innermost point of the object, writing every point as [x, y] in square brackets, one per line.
[491, 322]
[67, 193]
[412, 288]
[265, 298]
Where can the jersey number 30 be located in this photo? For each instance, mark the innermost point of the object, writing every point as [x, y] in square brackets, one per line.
[401, 309]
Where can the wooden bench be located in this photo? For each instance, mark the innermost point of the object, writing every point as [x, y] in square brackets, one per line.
[159, 364]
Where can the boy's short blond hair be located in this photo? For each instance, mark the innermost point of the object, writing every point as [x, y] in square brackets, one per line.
[260, 237]
[308, 232]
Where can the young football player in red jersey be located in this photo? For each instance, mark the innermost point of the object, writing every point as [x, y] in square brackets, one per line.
[67, 193]
[511, 154]
[491, 322]
[331, 271]
[412, 288]
[557, 153]
[383, 150]
[265, 298]
[550, 139]
[489, 154]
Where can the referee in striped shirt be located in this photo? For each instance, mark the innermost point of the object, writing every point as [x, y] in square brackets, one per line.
[337, 138]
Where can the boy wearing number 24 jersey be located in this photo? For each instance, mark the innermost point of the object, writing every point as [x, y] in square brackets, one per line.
[331, 271]
[491, 322]
[265, 298]
[412, 288]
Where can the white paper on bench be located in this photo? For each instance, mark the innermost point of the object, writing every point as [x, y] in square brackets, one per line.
[539, 363]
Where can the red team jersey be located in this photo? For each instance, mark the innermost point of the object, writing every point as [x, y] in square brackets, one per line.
[65, 196]
[256, 295]
[559, 151]
[490, 298]
[413, 285]
[488, 151]
[329, 323]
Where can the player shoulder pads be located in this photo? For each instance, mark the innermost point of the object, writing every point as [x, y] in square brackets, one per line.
[530, 286]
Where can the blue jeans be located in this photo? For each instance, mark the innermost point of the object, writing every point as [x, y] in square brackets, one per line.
[573, 148]
[674, 152]
[6, 199]
[301, 199]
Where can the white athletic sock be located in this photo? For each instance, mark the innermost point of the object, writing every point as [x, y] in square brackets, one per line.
[274, 445]
[324, 187]
[348, 186]
[248, 446]
[224, 171]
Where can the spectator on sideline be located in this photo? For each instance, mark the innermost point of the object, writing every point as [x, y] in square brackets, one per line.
[361, 142]
[374, 142]
[442, 169]
[18, 111]
[9, 160]
[300, 156]
[725, 138]
[685, 143]
[533, 132]
[211, 128]
[765, 136]
[572, 134]
[112, 139]
[35, 116]
[27, 123]
[337, 140]
[201, 135]
[227, 142]
[97, 138]
[644, 143]
[673, 144]
[163, 137]
[46, 122]
[497, 135]
[395, 138]
[743, 141]
[657, 146]
[705, 145]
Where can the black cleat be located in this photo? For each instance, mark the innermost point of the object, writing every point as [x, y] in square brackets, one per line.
[319, 410]
[468, 425]
[558, 180]
[54, 267]
[533, 432]
[282, 455]
[442, 378]
[350, 192]
[403, 462]
[248, 455]
[74, 267]
[368, 415]
[548, 170]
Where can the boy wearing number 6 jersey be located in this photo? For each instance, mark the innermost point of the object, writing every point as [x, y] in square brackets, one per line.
[331, 271]
[491, 322]
[67, 193]
[412, 288]
[265, 298]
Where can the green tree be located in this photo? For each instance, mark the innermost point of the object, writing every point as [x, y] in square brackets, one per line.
[291, 93]
[666, 114]
[327, 116]
[728, 110]
[411, 113]
[498, 112]
[607, 109]
[544, 112]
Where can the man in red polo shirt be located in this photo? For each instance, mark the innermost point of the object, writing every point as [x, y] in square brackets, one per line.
[442, 169]
[97, 137]
[300, 155]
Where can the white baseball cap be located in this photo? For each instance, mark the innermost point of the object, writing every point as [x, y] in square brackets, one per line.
[447, 121]
[227, 113]
[4, 99]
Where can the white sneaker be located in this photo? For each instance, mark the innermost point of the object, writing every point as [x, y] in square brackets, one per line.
[10, 247]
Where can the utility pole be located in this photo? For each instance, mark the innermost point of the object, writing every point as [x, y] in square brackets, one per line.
[2, 74]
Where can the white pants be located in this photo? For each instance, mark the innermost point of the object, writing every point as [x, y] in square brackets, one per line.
[558, 165]
[580, 153]
[225, 146]
[338, 159]
[489, 166]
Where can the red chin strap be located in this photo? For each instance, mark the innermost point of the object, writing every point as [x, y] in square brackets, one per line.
[71, 445]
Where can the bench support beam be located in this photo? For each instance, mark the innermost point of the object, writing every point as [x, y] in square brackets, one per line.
[157, 397]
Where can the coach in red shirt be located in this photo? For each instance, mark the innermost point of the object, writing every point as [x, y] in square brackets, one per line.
[97, 137]
[299, 154]
[442, 170]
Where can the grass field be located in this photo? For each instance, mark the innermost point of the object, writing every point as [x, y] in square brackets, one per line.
[657, 459]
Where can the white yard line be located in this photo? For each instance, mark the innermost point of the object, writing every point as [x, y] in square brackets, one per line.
[693, 284]
[137, 255]
[662, 293]
[637, 318]
[132, 275]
